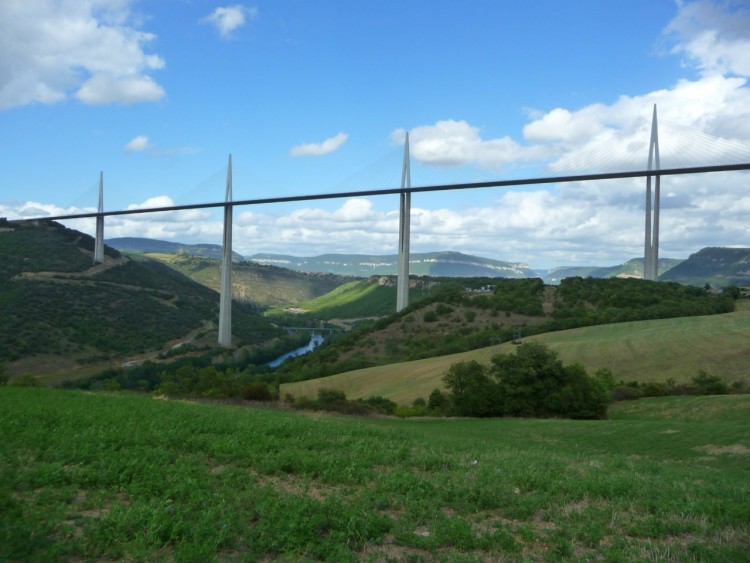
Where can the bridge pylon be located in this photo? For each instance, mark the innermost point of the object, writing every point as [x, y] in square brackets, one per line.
[99, 240]
[225, 301]
[651, 247]
[404, 220]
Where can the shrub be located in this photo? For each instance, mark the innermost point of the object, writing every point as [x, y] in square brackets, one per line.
[430, 316]
[380, 404]
[438, 401]
[707, 384]
[473, 393]
[258, 391]
[532, 382]
[25, 381]
[626, 393]
[328, 397]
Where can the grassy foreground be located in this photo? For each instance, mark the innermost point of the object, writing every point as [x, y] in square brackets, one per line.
[94, 476]
[651, 350]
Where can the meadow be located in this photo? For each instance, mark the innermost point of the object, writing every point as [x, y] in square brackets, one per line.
[651, 350]
[114, 476]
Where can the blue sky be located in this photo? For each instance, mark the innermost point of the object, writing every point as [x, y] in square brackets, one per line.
[311, 97]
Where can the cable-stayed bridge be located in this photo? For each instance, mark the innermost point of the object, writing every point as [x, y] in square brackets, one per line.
[686, 151]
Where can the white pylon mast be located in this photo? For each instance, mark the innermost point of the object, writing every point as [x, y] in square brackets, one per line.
[225, 301]
[402, 283]
[99, 240]
[651, 247]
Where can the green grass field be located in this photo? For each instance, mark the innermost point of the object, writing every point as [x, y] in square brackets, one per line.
[653, 350]
[88, 476]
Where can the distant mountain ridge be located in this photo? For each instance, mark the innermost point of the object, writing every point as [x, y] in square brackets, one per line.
[632, 268]
[719, 267]
[438, 264]
[148, 245]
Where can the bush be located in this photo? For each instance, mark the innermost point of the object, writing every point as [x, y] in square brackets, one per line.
[257, 392]
[707, 384]
[626, 393]
[438, 401]
[330, 396]
[25, 381]
[380, 404]
[430, 316]
[532, 382]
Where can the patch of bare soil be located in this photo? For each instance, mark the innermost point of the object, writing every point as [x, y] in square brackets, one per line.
[734, 449]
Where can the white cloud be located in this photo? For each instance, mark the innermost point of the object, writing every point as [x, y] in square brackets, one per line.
[137, 144]
[715, 37]
[596, 223]
[455, 143]
[90, 48]
[319, 149]
[228, 19]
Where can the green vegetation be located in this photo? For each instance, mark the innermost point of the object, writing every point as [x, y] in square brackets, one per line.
[589, 301]
[643, 351]
[132, 478]
[454, 317]
[354, 299]
[263, 286]
[54, 303]
[719, 267]
[532, 382]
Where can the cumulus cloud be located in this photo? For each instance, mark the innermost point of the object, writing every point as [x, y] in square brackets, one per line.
[328, 146]
[715, 37]
[454, 143]
[228, 19]
[138, 143]
[88, 48]
[701, 121]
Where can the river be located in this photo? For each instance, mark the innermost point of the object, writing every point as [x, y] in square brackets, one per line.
[315, 341]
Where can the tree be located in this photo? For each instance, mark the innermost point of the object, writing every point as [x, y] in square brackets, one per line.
[534, 382]
[473, 393]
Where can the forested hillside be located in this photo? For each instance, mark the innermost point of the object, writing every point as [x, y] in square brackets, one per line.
[630, 269]
[257, 284]
[53, 302]
[457, 317]
[719, 267]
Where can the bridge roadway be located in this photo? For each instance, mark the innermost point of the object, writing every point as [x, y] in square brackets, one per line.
[413, 190]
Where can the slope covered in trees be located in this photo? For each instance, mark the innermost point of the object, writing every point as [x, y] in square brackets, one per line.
[53, 302]
[454, 318]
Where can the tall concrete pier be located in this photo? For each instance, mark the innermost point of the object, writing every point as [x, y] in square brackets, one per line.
[402, 283]
[99, 240]
[225, 301]
[651, 247]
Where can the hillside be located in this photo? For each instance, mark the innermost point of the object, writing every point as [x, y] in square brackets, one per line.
[453, 318]
[630, 269]
[147, 245]
[260, 285]
[652, 350]
[58, 312]
[719, 267]
[439, 264]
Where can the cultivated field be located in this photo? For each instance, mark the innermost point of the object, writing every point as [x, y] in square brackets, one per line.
[653, 350]
[88, 476]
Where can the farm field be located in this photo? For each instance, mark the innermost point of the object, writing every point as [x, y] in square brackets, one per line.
[100, 477]
[652, 350]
